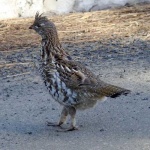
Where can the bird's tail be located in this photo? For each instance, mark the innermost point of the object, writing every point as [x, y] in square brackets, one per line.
[107, 90]
[113, 91]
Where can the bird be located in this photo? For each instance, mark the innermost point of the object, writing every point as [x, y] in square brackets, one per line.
[68, 81]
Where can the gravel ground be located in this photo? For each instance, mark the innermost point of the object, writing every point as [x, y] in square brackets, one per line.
[121, 123]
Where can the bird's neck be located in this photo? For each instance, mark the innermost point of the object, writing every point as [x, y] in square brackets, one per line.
[51, 47]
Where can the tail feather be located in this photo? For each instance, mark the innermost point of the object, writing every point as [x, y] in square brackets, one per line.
[103, 89]
[125, 92]
[113, 91]
[108, 90]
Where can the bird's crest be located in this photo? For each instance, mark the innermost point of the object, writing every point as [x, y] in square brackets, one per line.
[39, 18]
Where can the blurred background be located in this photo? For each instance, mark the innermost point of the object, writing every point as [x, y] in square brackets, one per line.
[27, 8]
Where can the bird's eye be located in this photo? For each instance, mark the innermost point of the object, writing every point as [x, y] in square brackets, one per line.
[37, 26]
[42, 24]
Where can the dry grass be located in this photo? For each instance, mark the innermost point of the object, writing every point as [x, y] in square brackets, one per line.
[80, 27]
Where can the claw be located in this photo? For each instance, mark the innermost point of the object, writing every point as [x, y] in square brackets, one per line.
[73, 128]
[70, 129]
[53, 124]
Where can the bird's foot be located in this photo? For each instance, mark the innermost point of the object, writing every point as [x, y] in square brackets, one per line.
[70, 129]
[53, 124]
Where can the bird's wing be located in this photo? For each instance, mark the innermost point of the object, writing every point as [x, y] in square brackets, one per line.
[74, 74]
[77, 76]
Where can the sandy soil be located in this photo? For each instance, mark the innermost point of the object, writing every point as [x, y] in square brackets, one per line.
[120, 58]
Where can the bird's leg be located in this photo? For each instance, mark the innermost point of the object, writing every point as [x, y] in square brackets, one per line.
[63, 117]
[72, 113]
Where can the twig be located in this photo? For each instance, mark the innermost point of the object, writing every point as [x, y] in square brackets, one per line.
[80, 41]
[13, 64]
[16, 50]
[147, 36]
[16, 75]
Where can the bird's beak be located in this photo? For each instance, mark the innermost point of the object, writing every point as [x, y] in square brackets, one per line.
[31, 27]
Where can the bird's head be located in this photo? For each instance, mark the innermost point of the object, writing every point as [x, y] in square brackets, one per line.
[43, 26]
[47, 30]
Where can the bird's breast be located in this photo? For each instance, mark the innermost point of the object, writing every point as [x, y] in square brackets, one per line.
[57, 88]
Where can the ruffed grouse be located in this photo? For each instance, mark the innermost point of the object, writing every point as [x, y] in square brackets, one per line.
[69, 82]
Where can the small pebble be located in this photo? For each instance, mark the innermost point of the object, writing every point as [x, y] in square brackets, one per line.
[145, 99]
[29, 133]
[101, 130]
[35, 82]
[137, 93]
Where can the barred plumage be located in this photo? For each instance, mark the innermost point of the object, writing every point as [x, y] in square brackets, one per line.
[69, 82]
